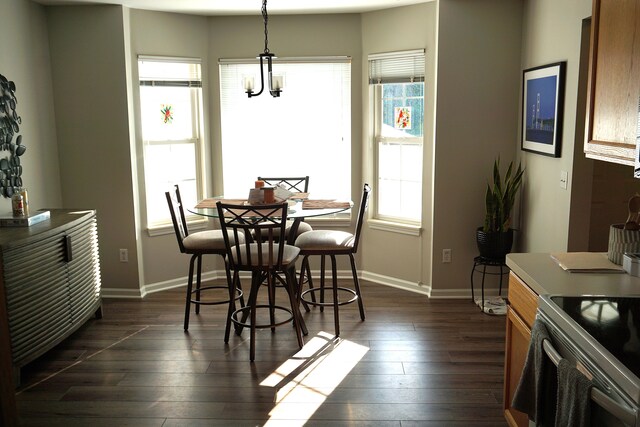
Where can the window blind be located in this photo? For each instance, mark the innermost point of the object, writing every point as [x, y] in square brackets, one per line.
[397, 67]
[169, 72]
[306, 131]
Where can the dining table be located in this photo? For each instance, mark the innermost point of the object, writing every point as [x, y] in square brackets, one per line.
[301, 207]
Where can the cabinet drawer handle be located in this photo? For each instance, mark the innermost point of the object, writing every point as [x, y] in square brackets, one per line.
[68, 251]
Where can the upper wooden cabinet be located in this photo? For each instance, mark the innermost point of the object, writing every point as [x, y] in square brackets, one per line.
[614, 81]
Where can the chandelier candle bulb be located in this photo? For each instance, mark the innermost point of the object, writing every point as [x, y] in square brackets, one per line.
[278, 82]
[248, 84]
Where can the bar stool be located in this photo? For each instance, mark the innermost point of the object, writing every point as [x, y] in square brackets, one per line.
[264, 253]
[332, 243]
[209, 242]
[484, 262]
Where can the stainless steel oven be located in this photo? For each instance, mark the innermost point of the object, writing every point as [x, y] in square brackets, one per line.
[601, 335]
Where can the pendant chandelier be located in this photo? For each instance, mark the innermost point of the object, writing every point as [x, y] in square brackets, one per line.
[275, 82]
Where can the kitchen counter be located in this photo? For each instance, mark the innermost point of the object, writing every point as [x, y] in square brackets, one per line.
[544, 276]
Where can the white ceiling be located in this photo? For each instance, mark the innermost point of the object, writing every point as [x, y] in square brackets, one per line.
[247, 7]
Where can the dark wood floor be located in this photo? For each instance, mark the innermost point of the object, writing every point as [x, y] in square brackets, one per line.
[412, 362]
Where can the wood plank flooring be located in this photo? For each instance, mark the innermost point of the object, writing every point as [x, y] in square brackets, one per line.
[412, 362]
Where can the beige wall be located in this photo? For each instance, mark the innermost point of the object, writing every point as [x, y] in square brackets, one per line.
[476, 50]
[389, 256]
[88, 65]
[552, 33]
[232, 37]
[25, 59]
[163, 265]
[477, 117]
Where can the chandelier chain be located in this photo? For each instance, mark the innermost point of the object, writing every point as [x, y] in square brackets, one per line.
[265, 18]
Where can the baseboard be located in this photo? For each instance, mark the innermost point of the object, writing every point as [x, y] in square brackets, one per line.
[342, 274]
[395, 283]
[464, 293]
[122, 293]
[156, 287]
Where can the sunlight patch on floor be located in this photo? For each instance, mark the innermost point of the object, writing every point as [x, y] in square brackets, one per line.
[311, 375]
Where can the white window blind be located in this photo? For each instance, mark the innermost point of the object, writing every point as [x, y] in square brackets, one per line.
[306, 131]
[397, 67]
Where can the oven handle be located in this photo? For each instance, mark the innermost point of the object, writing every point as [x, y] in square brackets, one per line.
[614, 408]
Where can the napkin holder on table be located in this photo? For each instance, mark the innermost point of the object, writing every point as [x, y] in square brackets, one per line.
[256, 196]
[281, 193]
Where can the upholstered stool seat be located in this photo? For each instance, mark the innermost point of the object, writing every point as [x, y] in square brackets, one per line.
[203, 240]
[321, 240]
[303, 227]
[289, 255]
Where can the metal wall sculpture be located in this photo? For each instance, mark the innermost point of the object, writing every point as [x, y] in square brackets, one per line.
[10, 121]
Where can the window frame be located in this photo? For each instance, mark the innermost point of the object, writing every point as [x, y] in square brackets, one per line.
[198, 141]
[407, 66]
[378, 139]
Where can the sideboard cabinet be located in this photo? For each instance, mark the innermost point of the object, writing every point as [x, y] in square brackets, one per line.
[49, 281]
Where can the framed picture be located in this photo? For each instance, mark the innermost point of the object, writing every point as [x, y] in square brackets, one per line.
[542, 107]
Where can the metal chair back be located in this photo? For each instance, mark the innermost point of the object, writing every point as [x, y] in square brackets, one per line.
[296, 184]
[264, 225]
[364, 205]
[177, 215]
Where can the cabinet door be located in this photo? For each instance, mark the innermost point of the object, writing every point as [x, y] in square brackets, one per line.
[84, 270]
[613, 85]
[517, 343]
[37, 293]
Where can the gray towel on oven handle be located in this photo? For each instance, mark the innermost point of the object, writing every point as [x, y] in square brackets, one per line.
[573, 407]
[529, 396]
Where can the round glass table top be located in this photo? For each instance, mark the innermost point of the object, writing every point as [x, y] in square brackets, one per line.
[297, 208]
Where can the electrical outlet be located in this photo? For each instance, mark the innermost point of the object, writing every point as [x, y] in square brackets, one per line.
[446, 256]
[124, 255]
[564, 177]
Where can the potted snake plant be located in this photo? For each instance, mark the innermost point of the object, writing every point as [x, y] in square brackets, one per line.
[495, 237]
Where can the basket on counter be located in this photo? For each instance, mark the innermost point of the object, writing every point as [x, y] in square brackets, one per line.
[621, 241]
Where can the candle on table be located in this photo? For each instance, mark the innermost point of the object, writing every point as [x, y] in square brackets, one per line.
[269, 195]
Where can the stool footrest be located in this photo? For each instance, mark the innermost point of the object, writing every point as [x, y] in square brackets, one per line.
[226, 301]
[329, 304]
[245, 324]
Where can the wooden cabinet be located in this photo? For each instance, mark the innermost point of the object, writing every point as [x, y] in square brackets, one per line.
[613, 110]
[50, 282]
[521, 312]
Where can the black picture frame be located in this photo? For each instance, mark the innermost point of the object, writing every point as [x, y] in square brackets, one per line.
[542, 108]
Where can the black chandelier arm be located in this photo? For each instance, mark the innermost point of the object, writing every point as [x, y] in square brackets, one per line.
[250, 92]
[269, 56]
[265, 18]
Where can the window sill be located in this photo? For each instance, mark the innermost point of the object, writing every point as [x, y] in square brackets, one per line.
[163, 229]
[330, 221]
[395, 227]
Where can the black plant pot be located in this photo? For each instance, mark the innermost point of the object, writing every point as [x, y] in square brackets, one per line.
[494, 244]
